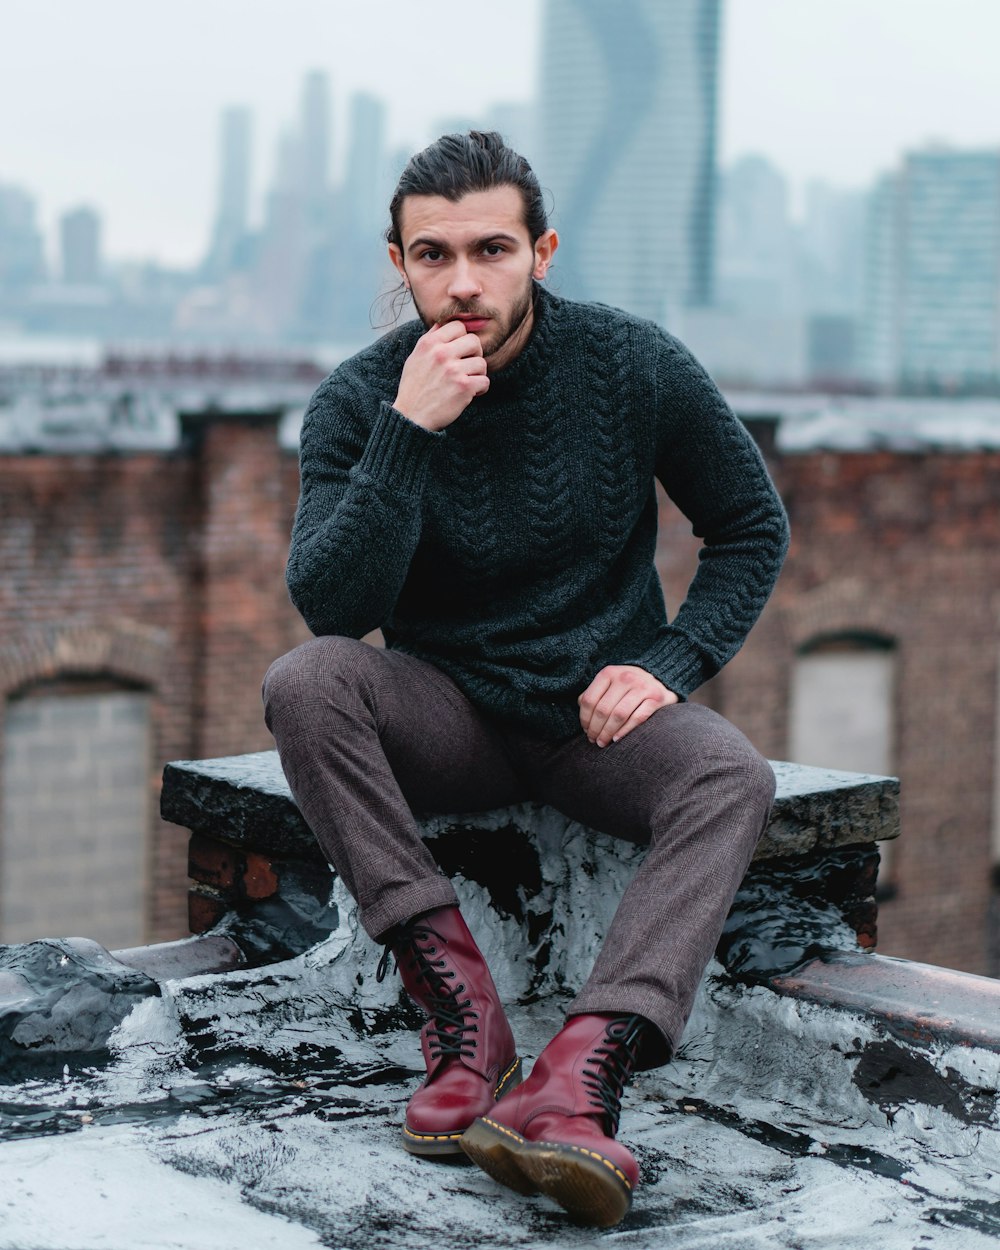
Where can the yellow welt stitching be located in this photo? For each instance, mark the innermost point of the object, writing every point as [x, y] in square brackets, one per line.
[562, 1146]
[431, 1136]
[506, 1077]
[591, 1154]
[502, 1129]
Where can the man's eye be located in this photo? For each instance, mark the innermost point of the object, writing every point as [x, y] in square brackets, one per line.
[430, 254]
[494, 249]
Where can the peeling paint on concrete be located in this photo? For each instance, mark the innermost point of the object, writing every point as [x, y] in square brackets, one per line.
[272, 1099]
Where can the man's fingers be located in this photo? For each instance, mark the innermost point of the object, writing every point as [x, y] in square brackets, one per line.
[591, 697]
[620, 698]
[446, 331]
[442, 375]
[642, 713]
[606, 723]
[455, 332]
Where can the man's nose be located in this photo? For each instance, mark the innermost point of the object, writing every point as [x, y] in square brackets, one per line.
[463, 281]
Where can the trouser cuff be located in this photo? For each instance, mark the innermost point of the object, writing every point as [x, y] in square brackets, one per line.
[396, 907]
[664, 1016]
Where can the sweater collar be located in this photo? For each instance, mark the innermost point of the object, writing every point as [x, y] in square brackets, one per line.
[530, 362]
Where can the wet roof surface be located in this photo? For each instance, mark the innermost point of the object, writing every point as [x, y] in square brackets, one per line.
[814, 422]
[262, 1108]
[142, 414]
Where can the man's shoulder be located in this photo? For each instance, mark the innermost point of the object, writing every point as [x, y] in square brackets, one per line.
[378, 364]
[607, 319]
[637, 343]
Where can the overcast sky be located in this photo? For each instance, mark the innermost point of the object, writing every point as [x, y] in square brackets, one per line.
[116, 102]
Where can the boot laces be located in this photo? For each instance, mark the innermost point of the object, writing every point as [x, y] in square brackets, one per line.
[451, 1017]
[613, 1061]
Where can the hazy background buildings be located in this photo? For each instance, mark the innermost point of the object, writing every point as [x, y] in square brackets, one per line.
[777, 277]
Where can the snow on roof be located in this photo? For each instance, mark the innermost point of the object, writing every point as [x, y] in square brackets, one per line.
[263, 1108]
[813, 422]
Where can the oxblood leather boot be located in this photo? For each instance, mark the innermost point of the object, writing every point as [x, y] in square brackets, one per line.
[556, 1133]
[467, 1043]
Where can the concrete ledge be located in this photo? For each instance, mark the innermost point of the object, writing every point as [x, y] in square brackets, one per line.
[244, 800]
[919, 1003]
[527, 873]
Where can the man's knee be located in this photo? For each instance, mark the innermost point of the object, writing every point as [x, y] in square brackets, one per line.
[759, 779]
[737, 766]
[717, 758]
[307, 669]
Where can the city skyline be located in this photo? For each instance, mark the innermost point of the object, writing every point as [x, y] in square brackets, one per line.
[906, 82]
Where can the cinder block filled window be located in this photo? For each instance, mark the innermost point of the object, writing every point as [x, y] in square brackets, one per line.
[842, 712]
[75, 814]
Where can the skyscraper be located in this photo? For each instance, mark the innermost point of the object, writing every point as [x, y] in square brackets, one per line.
[879, 349]
[314, 153]
[627, 148]
[932, 317]
[22, 259]
[358, 265]
[232, 212]
[366, 180]
[950, 330]
[756, 249]
[80, 245]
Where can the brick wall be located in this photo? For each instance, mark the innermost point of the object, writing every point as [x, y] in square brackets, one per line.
[903, 546]
[166, 573]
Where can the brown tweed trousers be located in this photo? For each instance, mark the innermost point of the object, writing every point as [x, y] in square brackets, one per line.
[368, 736]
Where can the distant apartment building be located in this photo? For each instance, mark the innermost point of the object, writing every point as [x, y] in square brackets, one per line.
[755, 249]
[22, 258]
[232, 210]
[627, 143]
[933, 273]
[80, 247]
[880, 323]
[787, 292]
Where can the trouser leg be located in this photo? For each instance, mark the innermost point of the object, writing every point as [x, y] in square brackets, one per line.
[691, 785]
[365, 737]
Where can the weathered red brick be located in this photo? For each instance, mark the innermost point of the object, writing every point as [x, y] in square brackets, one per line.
[259, 878]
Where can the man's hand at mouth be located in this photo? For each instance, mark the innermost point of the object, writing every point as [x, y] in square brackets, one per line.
[442, 375]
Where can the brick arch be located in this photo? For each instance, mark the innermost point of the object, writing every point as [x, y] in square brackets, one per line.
[846, 605]
[121, 649]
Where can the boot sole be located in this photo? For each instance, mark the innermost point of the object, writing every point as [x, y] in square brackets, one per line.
[588, 1187]
[429, 1145]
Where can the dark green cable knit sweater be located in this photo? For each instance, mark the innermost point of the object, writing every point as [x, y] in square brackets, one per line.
[514, 550]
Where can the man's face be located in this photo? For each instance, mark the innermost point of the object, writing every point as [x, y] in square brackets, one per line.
[472, 261]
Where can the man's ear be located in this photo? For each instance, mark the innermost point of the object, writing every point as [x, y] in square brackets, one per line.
[545, 249]
[396, 256]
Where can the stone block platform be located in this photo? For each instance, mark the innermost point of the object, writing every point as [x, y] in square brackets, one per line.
[254, 863]
[246, 1086]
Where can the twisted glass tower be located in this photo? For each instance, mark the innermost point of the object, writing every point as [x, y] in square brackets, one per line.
[627, 149]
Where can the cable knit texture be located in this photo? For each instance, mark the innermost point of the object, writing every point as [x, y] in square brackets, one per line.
[515, 549]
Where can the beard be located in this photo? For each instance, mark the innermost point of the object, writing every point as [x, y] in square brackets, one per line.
[504, 326]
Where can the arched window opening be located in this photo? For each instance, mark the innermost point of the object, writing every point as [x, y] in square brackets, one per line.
[75, 815]
[842, 713]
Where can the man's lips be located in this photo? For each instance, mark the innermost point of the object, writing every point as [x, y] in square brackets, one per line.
[471, 323]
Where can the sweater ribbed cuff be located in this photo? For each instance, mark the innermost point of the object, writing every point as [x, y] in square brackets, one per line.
[398, 452]
[675, 661]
